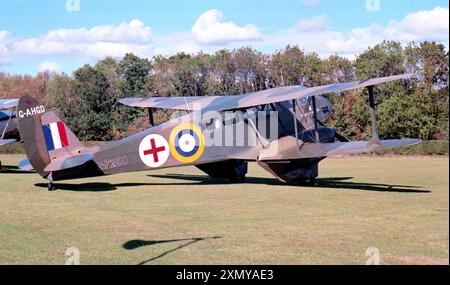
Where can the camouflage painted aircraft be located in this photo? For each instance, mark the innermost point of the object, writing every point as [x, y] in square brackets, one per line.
[302, 140]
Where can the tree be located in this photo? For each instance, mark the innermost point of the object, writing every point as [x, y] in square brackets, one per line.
[337, 69]
[14, 86]
[91, 113]
[60, 96]
[401, 117]
[135, 72]
[181, 75]
[429, 61]
[288, 67]
[384, 59]
[221, 78]
[245, 61]
[134, 75]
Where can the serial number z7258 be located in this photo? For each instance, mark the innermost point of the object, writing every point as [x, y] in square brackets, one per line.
[112, 163]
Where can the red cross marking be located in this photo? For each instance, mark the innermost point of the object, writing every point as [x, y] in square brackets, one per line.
[154, 150]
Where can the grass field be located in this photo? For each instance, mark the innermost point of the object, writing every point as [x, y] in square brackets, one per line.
[179, 216]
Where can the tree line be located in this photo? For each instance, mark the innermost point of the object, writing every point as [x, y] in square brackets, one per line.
[88, 98]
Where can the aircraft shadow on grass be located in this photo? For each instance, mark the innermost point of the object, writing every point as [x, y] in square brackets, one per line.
[134, 244]
[329, 183]
[91, 187]
[10, 169]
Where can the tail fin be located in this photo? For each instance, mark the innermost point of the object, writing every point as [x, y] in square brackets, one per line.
[45, 137]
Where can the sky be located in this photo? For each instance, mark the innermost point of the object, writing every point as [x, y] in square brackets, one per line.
[62, 35]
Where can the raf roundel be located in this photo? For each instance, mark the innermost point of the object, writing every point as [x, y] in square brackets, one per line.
[187, 143]
[154, 150]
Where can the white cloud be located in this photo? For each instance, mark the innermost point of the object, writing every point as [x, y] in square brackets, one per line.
[210, 28]
[4, 36]
[133, 32]
[314, 34]
[172, 43]
[49, 66]
[210, 33]
[311, 3]
[97, 42]
[314, 24]
[5, 53]
[422, 25]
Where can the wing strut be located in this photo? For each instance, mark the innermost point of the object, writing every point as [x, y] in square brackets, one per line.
[150, 117]
[294, 104]
[316, 124]
[263, 142]
[373, 117]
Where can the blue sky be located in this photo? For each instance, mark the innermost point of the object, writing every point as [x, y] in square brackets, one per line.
[36, 35]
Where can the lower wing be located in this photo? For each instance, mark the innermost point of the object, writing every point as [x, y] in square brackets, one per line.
[288, 148]
[5, 142]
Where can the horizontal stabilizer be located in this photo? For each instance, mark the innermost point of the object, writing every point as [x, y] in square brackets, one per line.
[62, 163]
[25, 165]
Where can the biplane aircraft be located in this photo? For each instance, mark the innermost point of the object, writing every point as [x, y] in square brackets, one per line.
[290, 145]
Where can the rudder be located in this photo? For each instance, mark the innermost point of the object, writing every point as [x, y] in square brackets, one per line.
[45, 137]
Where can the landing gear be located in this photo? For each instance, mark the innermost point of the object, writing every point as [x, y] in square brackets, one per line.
[50, 182]
[233, 170]
[305, 181]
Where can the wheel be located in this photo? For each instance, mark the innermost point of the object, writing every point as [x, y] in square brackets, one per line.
[306, 181]
[310, 181]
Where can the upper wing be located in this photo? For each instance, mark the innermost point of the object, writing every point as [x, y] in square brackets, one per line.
[176, 103]
[8, 103]
[294, 92]
[270, 96]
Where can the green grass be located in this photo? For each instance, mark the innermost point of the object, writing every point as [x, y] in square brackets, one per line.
[178, 216]
[12, 148]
